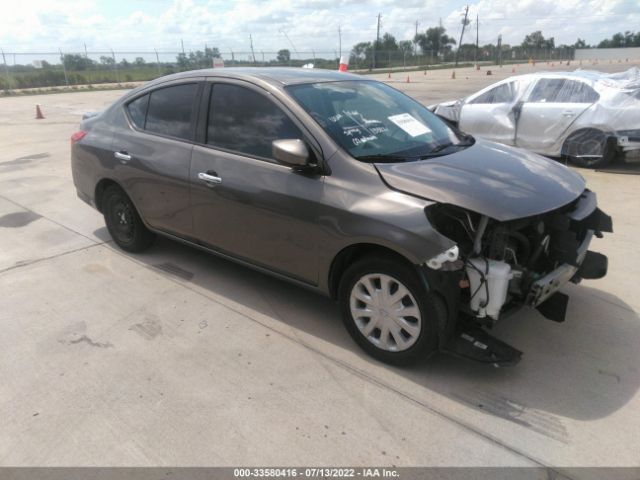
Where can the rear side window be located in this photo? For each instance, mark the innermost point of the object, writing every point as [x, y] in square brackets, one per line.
[501, 94]
[560, 90]
[138, 110]
[247, 122]
[170, 110]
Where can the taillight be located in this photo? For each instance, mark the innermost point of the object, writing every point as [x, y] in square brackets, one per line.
[76, 137]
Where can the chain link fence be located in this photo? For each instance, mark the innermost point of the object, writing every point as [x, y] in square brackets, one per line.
[91, 69]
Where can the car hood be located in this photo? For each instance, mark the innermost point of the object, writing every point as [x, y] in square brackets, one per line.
[501, 182]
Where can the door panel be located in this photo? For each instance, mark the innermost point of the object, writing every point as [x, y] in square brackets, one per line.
[552, 106]
[154, 168]
[157, 179]
[495, 122]
[260, 211]
[490, 114]
[542, 124]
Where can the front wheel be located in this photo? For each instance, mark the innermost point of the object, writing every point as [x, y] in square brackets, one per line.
[388, 312]
[123, 222]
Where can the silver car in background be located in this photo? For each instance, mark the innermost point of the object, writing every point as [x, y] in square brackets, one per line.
[587, 117]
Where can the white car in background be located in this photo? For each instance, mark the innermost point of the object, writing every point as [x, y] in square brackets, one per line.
[585, 116]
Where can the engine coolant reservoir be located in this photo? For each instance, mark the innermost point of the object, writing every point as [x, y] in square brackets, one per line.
[490, 286]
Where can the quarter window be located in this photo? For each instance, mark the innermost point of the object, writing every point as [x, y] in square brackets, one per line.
[245, 121]
[138, 110]
[170, 110]
[501, 94]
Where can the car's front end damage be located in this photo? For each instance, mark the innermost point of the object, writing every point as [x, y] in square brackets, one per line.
[500, 267]
[521, 231]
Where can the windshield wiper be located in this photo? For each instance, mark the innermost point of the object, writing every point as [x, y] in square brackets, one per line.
[391, 157]
[383, 157]
[436, 150]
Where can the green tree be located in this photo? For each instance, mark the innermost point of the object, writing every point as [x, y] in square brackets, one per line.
[405, 46]
[621, 40]
[284, 56]
[387, 43]
[139, 62]
[109, 61]
[435, 39]
[580, 43]
[76, 62]
[537, 40]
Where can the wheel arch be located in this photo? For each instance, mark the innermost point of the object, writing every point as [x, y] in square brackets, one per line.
[101, 187]
[353, 253]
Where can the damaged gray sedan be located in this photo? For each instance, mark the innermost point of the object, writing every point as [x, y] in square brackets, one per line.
[424, 235]
[584, 116]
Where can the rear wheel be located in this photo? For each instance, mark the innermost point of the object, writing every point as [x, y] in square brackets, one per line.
[123, 222]
[589, 148]
[388, 312]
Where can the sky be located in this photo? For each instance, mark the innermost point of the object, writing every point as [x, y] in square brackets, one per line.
[301, 25]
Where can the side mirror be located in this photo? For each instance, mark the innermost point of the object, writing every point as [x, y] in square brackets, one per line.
[290, 152]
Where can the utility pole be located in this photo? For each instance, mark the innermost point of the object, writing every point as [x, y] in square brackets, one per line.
[499, 46]
[157, 61]
[375, 46]
[415, 45]
[182, 44]
[6, 70]
[253, 55]
[477, 38]
[64, 68]
[339, 43]
[465, 22]
[85, 51]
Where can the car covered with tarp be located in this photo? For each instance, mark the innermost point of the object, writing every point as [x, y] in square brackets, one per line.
[587, 117]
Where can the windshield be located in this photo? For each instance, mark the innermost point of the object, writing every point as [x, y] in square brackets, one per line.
[374, 122]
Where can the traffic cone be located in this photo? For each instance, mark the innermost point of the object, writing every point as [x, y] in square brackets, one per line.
[408, 79]
[513, 69]
[453, 75]
[344, 63]
[425, 72]
[39, 115]
[389, 75]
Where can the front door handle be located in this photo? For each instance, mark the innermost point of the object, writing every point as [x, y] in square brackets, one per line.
[123, 156]
[210, 178]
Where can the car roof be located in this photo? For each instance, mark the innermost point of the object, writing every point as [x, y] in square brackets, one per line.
[627, 79]
[273, 75]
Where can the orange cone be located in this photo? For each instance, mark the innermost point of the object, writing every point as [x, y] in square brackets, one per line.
[453, 75]
[408, 79]
[513, 69]
[39, 115]
[425, 72]
[389, 75]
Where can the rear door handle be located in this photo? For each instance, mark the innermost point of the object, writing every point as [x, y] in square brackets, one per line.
[210, 178]
[568, 113]
[123, 156]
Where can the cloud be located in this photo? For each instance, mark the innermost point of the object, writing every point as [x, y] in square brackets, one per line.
[310, 25]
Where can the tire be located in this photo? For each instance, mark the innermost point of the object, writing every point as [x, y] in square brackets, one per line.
[417, 335]
[123, 222]
[589, 148]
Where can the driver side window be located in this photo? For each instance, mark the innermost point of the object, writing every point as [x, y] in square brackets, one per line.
[246, 122]
[504, 93]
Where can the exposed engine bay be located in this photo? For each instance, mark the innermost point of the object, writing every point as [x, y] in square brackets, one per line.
[503, 266]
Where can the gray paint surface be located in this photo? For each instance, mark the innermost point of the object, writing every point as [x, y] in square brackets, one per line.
[182, 397]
